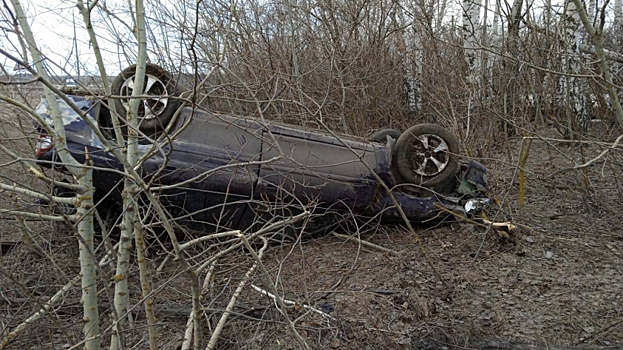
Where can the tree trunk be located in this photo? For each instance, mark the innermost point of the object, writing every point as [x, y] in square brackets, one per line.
[145, 278]
[494, 39]
[84, 208]
[130, 190]
[591, 10]
[471, 21]
[576, 113]
[603, 63]
[86, 17]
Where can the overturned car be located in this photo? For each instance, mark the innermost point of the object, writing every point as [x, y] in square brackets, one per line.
[215, 170]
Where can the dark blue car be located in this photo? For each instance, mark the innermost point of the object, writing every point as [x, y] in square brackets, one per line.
[229, 170]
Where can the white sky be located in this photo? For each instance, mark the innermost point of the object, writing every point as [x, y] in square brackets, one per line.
[52, 23]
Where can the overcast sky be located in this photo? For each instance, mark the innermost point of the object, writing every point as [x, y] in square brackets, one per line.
[53, 23]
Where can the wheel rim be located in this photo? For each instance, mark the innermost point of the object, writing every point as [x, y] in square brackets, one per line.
[429, 154]
[152, 106]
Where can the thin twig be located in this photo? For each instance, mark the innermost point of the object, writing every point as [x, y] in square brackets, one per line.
[366, 243]
[290, 302]
[601, 155]
[232, 302]
[278, 300]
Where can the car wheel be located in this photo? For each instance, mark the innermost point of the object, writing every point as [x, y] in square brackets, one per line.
[110, 217]
[156, 111]
[63, 208]
[427, 155]
[61, 227]
[381, 135]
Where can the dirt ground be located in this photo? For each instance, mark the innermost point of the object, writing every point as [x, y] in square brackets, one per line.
[556, 280]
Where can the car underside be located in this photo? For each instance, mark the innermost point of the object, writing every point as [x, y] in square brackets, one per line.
[213, 170]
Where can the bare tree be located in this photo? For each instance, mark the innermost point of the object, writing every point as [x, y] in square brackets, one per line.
[84, 198]
[471, 29]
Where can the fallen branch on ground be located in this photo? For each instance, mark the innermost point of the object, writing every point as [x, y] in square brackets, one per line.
[505, 227]
[278, 300]
[232, 302]
[293, 303]
[37, 315]
[46, 308]
[365, 243]
[601, 155]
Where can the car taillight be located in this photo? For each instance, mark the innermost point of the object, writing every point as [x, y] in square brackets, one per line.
[44, 144]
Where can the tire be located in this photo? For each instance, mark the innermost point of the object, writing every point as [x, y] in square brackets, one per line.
[63, 208]
[62, 227]
[110, 216]
[154, 113]
[381, 135]
[427, 155]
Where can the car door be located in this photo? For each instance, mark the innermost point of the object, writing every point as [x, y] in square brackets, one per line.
[317, 168]
[211, 156]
